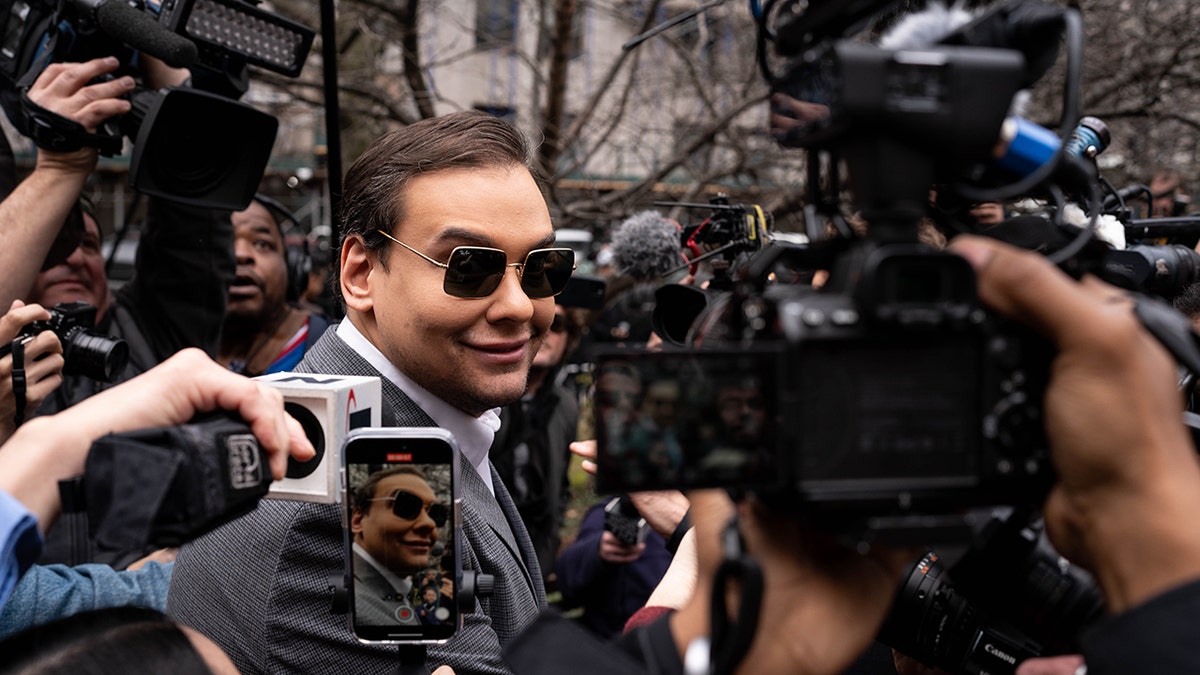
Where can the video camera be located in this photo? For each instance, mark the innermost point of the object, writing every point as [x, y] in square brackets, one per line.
[888, 400]
[85, 352]
[180, 152]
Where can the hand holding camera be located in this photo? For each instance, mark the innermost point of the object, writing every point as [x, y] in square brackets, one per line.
[42, 369]
[1126, 481]
[48, 449]
[83, 92]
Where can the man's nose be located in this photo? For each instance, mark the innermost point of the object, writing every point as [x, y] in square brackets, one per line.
[425, 522]
[509, 301]
[76, 259]
[243, 252]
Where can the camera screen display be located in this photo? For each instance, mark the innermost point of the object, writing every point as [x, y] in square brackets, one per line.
[887, 412]
[680, 420]
[832, 420]
[401, 539]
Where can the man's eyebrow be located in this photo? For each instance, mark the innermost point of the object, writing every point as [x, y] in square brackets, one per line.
[462, 235]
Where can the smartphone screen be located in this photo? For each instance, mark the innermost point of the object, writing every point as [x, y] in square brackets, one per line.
[402, 534]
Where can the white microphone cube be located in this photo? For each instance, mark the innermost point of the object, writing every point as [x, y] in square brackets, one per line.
[328, 407]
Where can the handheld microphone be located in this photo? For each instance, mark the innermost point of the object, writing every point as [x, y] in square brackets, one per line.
[141, 31]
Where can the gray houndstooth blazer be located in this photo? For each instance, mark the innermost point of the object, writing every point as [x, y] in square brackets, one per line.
[259, 586]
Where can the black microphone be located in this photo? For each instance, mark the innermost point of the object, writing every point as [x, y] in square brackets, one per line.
[646, 246]
[142, 31]
[1126, 193]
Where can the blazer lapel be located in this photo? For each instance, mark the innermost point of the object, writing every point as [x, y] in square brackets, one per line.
[479, 505]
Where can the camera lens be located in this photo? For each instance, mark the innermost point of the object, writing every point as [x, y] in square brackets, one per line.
[91, 355]
[936, 625]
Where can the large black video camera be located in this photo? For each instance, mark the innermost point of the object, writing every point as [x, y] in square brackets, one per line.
[888, 400]
[197, 144]
[84, 352]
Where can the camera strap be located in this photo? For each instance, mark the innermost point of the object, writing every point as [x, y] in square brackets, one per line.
[732, 636]
[18, 379]
[51, 131]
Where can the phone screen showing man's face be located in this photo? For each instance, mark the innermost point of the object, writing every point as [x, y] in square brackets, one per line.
[402, 540]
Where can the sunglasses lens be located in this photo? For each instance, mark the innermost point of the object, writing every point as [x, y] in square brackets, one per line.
[407, 505]
[439, 514]
[547, 272]
[474, 272]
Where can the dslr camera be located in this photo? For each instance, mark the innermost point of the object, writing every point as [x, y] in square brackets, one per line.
[84, 352]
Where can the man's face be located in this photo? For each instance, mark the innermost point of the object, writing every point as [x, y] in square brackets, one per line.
[400, 544]
[260, 288]
[473, 353]
[79, 278]
[742, 412]
[554, 345]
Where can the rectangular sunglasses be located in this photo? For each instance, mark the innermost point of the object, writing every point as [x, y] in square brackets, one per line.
[476, 271]
[408, 506]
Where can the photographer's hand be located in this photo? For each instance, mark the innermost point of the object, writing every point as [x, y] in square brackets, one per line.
[48, 449]
[1128, 485]
[662, 509]
[612, 551]
[43, 364]
[64, 88]
[32, 215]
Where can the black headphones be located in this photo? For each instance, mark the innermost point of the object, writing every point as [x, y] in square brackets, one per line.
[297, 258]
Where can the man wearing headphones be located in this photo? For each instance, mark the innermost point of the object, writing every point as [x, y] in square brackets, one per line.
[265, 331]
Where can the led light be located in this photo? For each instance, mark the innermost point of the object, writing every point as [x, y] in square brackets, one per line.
[235, 26]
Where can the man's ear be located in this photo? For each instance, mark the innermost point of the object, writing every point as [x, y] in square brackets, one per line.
[357, 263]
[356, 517]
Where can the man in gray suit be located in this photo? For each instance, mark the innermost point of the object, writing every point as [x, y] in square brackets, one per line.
[434, 215]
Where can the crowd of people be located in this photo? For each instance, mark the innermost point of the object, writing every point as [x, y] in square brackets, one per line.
[433, 216]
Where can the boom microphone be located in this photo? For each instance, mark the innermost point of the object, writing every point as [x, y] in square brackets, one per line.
[646, 246]
[141, 31]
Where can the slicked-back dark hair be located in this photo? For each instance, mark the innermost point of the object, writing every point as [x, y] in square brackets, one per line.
[373, 190]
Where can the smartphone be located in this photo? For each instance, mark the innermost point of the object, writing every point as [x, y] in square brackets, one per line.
[402, 524]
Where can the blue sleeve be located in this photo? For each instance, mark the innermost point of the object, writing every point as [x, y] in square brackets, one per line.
[49, 592]
[20, 543]
[580, 563]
